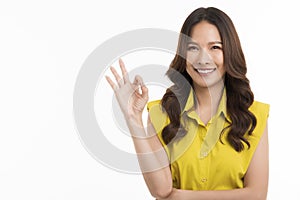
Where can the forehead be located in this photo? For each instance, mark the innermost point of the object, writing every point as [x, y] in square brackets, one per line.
[204, 32]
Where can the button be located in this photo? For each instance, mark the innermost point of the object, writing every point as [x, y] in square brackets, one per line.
[203, 180]
[204, 154]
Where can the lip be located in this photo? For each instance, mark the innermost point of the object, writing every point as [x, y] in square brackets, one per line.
[205, 71]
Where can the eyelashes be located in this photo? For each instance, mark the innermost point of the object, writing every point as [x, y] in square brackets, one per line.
[195, 48]
[192, 48]
[216, 47]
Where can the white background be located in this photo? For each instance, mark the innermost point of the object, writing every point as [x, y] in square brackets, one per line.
[42, 47]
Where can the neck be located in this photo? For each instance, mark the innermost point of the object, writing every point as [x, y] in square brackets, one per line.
[208, 99]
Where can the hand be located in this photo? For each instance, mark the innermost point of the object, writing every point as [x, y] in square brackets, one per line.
[132, 97]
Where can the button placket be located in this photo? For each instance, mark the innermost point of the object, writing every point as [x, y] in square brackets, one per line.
[203, 175]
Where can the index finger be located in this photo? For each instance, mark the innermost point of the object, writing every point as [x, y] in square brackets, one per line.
[111, 83]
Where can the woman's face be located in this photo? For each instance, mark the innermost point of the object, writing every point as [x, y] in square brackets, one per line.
[205, 56]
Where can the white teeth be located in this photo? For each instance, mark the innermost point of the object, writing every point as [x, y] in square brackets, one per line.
[205, 71]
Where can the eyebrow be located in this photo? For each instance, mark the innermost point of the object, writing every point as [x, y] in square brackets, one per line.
[210, 43]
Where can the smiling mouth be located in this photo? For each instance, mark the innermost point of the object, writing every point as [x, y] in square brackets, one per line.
[205, 71]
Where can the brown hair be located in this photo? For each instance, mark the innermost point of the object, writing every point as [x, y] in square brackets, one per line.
[239, 94]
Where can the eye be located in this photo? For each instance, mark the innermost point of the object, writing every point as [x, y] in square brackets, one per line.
[214, 47]
[192, 48]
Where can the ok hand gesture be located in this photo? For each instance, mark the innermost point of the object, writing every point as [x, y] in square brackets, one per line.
[132, 97]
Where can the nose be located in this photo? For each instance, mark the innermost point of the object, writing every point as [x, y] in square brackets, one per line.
[204, 58]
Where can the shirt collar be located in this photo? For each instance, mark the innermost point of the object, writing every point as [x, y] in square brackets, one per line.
[190, 101]
[222, 109]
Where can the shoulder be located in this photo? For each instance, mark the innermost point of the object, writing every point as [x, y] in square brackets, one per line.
[157, 116]
[260, 109]
[152, 104]
[261, 112]
[257, 105]
[154, 108]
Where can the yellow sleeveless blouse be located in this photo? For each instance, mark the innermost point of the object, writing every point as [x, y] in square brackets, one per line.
[199, 161]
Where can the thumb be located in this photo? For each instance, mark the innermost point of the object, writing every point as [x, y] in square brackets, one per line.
[136, 83]
[143, 88]
[139, 83]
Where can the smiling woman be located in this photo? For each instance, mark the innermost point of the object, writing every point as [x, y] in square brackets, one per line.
[207, 137]
[205, 55]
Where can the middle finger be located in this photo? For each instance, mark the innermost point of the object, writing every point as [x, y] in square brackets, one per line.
[117, 76]
[124, 71]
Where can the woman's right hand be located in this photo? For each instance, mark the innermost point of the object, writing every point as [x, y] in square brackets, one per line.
[132, 97]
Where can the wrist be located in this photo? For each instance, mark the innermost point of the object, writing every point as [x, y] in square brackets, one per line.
[134, 119]
[136, 126]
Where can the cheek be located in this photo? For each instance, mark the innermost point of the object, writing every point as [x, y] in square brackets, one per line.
[192, 57]
[189, 68]
[219, 61]
[218, 58]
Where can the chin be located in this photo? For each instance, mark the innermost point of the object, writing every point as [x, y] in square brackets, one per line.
[208, 84]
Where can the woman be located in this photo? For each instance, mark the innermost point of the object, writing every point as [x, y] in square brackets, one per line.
[207, 138]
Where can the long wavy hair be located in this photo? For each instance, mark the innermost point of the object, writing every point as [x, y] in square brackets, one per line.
[238, 91]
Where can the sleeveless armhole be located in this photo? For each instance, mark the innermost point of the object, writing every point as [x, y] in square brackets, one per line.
[159, 120]
[261, 112]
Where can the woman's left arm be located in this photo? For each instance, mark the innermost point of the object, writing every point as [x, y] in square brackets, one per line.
[255, 180]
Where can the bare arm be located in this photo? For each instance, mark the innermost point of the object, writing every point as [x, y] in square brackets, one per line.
[152, 157]
[255, 181]
[154, 163]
